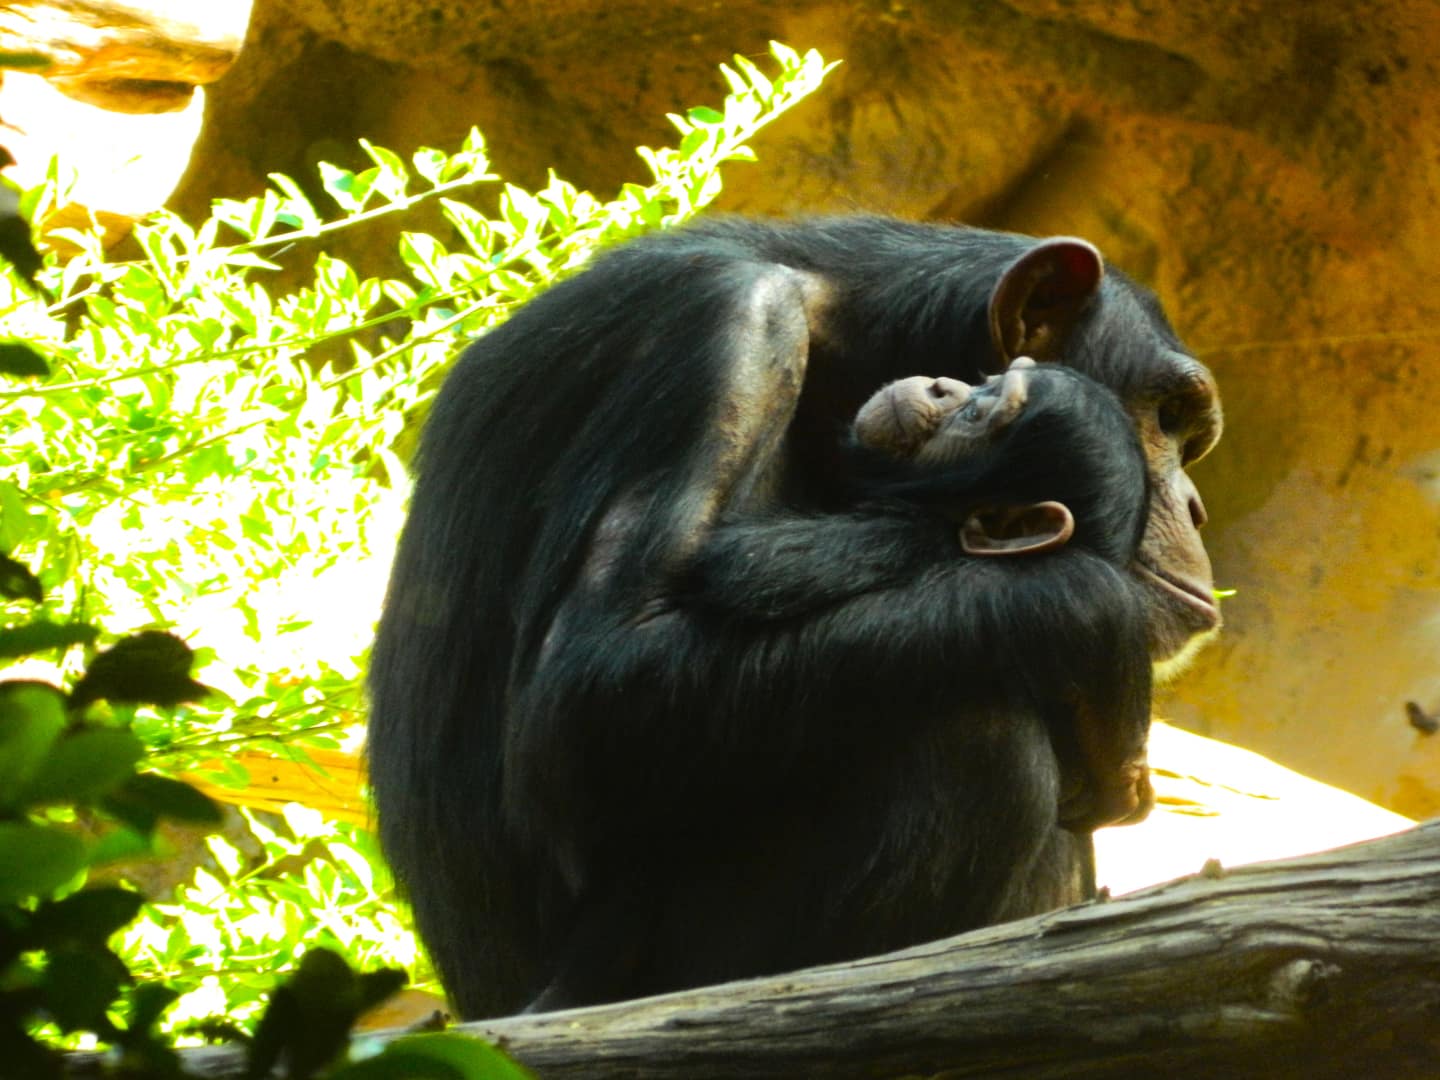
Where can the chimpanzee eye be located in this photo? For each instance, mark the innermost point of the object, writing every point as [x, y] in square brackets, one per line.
[1172, 417]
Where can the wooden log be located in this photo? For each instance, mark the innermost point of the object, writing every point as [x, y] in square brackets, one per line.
[1321, 966]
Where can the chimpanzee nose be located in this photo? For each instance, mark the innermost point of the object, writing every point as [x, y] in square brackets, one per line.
[1197, 511]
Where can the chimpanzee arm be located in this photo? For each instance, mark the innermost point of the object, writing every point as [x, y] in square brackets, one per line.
[769, 567]
[1066, 629]
[710, 677]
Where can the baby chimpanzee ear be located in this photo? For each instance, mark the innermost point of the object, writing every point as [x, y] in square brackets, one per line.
[1039, 297]
[1017, 530]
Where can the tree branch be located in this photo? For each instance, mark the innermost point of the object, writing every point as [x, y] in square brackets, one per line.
[1322, 966]
[1327, 965]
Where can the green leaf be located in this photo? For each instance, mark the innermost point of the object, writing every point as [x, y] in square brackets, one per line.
[206, 462]
[151, 667]
[238, 215]
[732, 77]
[365, 185]
[207, 332]
[474, 142]
[296, 205]
[148, 1003]
[756, 77]
[423, 253]
[439, 1056]
[393, 1064]
[41, 636]
[36, 860]
[522, 210]
[429, 163]
[89, 916]
[84, 765]
[263, 210]
[146, 798]
[787, 56]
[393, 177]
[17, 582]
[336, 275]
[473, 226]
[32, 715]
[21, 360]
[310, 1015]
[79, 986]
[17, 246]
[339, 184]
[17, 524]
[697, 140]
[704, 115]
[122, 845]
[226, 854]
[356, 863]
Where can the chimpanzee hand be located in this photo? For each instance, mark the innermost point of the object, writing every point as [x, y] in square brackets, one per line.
[1100, 797]
[937, 421]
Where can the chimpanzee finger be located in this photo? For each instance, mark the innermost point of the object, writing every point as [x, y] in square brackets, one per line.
[1014, 392]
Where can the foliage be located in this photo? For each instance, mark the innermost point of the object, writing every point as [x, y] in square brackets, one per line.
[202, 457]
[60, 753]
[222, 937]
[205, 454]
[57, 757]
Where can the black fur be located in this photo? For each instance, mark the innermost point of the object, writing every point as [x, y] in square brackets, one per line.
[657, 704]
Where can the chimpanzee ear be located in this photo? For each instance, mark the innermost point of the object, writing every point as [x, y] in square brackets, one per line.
[1017, 530]
[1040, 296]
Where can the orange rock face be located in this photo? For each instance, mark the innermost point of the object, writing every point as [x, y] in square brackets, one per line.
[128, 56]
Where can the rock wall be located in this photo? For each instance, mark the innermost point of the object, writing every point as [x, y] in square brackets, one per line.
[114, 88]
[1271, 170]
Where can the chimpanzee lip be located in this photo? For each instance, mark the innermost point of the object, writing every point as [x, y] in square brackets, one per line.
[1193, 594]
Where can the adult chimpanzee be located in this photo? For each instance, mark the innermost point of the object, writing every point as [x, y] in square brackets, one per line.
[689, 672]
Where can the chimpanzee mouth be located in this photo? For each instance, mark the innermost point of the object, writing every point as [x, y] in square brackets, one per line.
[1195, 595]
